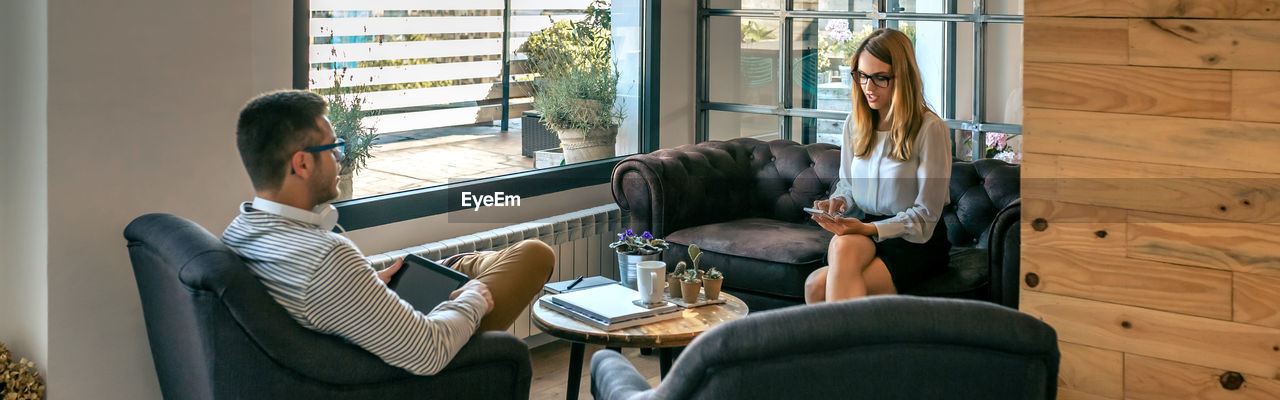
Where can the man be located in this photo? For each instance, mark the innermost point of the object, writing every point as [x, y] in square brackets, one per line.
[321, 278]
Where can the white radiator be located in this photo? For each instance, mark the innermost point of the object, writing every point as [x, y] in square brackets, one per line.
[581, 240]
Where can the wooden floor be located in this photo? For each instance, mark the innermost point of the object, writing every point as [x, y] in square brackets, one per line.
[551, 370]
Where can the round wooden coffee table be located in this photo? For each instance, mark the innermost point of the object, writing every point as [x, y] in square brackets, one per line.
[666, 336]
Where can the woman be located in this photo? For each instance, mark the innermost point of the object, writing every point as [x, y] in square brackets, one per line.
[894, 171]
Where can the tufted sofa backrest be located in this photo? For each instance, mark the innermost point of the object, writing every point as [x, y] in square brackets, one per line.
[979, 190]
[725, 180]
[717, 181]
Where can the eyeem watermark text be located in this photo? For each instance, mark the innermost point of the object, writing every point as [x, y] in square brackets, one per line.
[497, 199]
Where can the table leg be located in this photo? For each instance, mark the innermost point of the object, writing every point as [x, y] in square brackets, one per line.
[664, 361]
[576, 351]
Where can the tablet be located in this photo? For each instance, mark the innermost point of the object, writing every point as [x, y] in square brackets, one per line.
[425, 283]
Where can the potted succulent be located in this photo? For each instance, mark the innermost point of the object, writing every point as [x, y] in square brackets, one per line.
[679, 280]
[689, 286]
[576, 91]
[673, 279]
[632, 249]
[711, 283]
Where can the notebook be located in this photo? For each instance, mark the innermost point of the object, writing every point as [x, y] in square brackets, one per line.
[587, 283]
[608, 326]
[608, 303]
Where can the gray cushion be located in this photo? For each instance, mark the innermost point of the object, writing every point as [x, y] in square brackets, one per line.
[756, 254]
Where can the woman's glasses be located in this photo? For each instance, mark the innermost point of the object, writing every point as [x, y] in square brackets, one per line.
[880, 80]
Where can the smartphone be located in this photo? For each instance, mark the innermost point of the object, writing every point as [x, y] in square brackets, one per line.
[818, 212]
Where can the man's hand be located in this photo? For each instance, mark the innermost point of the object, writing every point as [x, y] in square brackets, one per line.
[385, 275]
[478, 287]
[845, 226]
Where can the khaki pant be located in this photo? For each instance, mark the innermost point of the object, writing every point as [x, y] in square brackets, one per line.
[514, 275]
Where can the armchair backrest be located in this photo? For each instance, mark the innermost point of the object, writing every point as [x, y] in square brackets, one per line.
[214, 329]
[882, 347]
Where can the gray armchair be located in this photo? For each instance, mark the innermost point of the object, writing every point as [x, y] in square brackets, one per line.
[215, 333]
[881, 347]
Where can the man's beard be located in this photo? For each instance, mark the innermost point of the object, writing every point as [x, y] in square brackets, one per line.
[324, 191]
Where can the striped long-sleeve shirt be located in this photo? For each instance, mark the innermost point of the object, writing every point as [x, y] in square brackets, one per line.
[326, 285]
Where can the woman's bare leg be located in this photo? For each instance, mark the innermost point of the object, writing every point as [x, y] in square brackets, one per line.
[848, 257]
[815, 286]
[877, 278]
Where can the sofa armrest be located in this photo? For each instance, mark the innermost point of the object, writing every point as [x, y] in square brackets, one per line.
[614, 378]
[1004, 254]
[691, 185]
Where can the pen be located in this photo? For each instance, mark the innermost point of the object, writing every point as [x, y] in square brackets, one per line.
[575, 282]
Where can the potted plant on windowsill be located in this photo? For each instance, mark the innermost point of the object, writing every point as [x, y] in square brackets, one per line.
[576, 91]
[346, 114]
[633, 249]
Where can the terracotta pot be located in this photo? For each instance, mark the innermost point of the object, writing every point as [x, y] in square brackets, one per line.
[689, 291]
[712, 286]
[673, 285]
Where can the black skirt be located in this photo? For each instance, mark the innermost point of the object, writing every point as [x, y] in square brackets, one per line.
[910, 264]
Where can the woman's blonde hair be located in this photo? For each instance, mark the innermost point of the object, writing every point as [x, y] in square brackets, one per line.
[908, 108]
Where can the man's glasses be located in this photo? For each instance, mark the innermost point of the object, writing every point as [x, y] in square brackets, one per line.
[338, 147]
[881, 81]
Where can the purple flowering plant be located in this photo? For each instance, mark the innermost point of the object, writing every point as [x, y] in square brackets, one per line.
[644, 244]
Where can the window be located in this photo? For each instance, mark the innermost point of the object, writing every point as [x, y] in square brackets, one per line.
[443, 97]
[767, 71]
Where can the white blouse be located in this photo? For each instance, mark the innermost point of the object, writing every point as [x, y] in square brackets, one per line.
[912, 192]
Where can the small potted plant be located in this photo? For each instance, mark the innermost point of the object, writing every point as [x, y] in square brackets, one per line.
[695, 256]
[633, 249]
[576, 91]
[711, 283]
[346, 114]
[689, 286]
[674, 278]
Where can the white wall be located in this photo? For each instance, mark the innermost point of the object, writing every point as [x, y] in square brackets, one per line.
[142, 102]
[24, 289]
[143, 98]
[678, 63]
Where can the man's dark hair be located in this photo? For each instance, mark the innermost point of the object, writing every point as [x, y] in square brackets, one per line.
[272, 127]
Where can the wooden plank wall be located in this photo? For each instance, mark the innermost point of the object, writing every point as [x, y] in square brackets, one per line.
[1151, 185]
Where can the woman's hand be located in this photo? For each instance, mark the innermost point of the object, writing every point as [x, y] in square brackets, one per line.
[845, 226]
[833, 206]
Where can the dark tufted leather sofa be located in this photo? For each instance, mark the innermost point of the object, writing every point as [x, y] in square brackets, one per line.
[740, 201]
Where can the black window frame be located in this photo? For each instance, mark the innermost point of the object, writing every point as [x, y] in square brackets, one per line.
[417, 203]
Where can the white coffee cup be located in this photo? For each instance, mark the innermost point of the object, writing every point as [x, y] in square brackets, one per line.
[650, 278]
